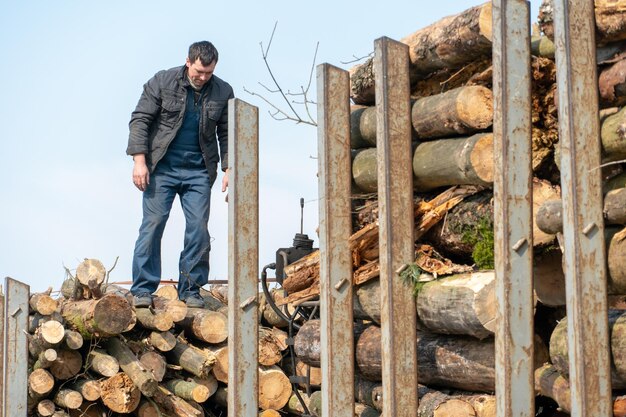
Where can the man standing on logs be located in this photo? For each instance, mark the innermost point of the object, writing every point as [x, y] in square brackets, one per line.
[178, 133]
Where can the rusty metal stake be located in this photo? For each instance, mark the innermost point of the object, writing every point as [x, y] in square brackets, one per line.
[15, 365]
[243, 264]
[337, 355]
[395, 197]
[2, 353]
[583, 225]
[513, 221]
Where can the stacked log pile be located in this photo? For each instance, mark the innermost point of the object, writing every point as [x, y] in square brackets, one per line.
[452, 277]
[91, 353]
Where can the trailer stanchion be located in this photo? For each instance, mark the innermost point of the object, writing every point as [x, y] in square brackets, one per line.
[513, 221]
[337, 339]
[15, 364]
[395, 197]
[583, 224]
[243, 264]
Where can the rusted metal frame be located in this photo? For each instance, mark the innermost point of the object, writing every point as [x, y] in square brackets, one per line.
[395, 196]
[15, 386]
[513, 221]
[243, 264]
[583, 225]
[337, 339]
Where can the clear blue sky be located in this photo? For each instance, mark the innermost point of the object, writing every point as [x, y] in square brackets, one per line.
[72, 72]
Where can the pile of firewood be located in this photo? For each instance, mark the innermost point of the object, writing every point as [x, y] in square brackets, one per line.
[93, 354]
[453, 278]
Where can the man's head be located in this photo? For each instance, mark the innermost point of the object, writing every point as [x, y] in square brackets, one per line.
[201, 62]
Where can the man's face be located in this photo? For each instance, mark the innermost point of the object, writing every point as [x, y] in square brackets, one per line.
[200, 74]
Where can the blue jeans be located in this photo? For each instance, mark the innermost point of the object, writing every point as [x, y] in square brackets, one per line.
[183, 174]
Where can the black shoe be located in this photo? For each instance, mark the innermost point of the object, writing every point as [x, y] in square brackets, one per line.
[194, 301]
[143, 300]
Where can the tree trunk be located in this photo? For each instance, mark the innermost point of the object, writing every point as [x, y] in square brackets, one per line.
[102, 363]
[461, 111]
[188, 390]
[210, 383]
[159, 320]
[91, 273]
[45, 359]
[174, 405]
[274, 388]
[163, 341]
[612, 85]
[107, 316]
[43, 304]
[68, 364]
[617, 330]
[206, 325]
[549, 278]
[176, 309]
[40, 384]
[610, 18]
[454, 361]
[73, 340]
[168, 292]
[615, 206]
[47, 335]
[45, 408]
[550, 383]
[220, 368]
[198, 362]
[67, 398]
[155, 363]
[450, 43]
[88, 388]
[613, 135]
[132, 367]
[120, 394]
[616, 259]
[473, 298]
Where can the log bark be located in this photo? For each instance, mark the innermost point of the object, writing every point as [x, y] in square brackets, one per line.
[132, 367]
[168, 292]
[220, 367]
[155, 363]
[107, 316]
[615, 206]
[616, 259]
[454, 361]
[549, 278]
[610, 18]
[101, 362]
[206, 325]
[613, 136]
[617, 330]
[188, 390]
[550, 383]
[45, 359]
[209, 382]
[120, 394]
[35, 320]
[174, 405]
[612, 85]
[67, 398]
[47, 335]
[163, 341]
[67, 364]
[461, 111]
[159, 320]
[176, 309]
[473, 298]
[449, 43]
[43, 304]
[196, 361]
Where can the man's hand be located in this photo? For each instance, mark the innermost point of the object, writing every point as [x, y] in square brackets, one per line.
[141, 175]
[225, 183]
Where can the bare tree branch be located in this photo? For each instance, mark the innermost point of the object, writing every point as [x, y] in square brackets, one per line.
[291, 113]
[357, 58]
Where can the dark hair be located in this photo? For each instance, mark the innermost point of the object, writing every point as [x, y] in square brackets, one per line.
[203, 50]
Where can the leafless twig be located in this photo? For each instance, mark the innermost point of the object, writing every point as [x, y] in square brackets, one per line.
[358, 58]
[291, 114]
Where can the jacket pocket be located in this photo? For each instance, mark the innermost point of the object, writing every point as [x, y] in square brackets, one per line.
[171, 109]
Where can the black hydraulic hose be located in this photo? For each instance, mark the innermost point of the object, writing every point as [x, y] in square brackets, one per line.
[268, 296]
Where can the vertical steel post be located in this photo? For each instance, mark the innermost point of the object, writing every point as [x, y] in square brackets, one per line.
[515, 394]
[337, 338]
[243, 259]
[2, 343]
[583, 224]
[16, 348]
[395, 202]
